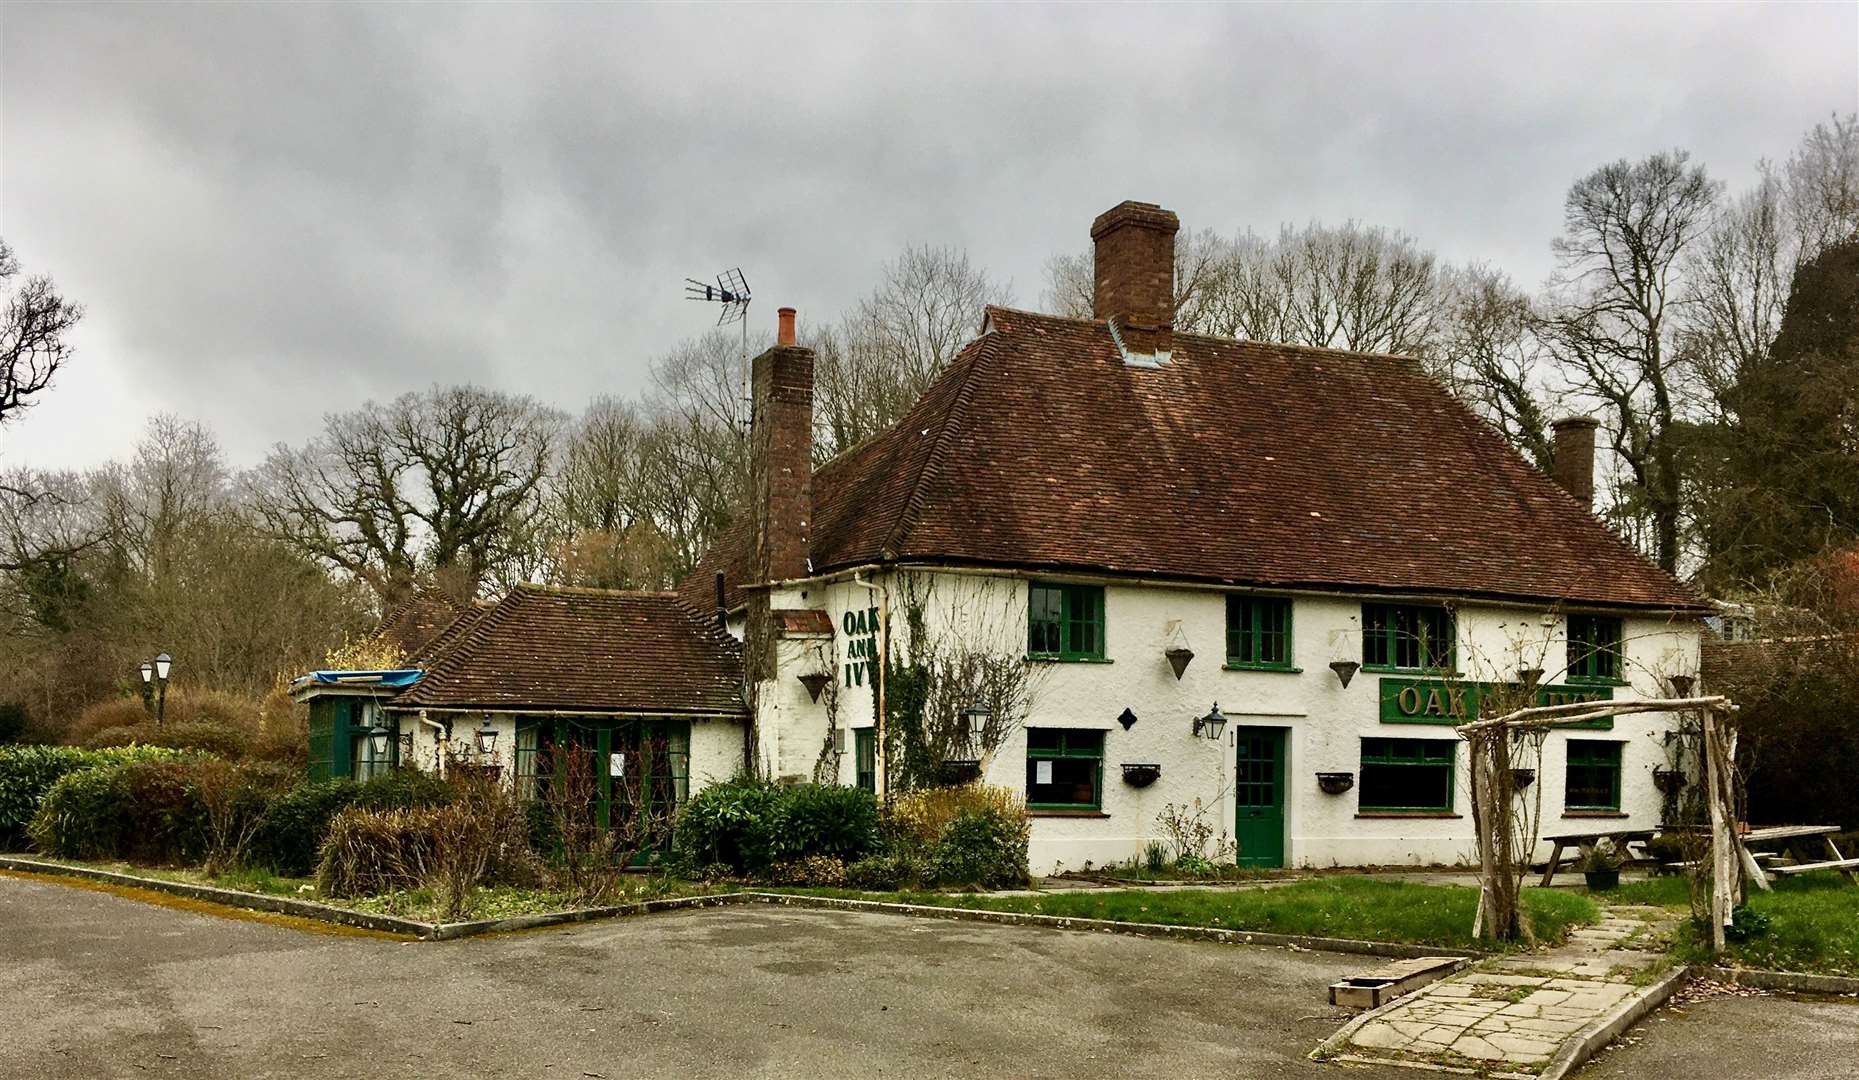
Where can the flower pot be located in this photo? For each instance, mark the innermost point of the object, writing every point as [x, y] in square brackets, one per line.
[1140, 774]
[1602, 880]
[1335, 783]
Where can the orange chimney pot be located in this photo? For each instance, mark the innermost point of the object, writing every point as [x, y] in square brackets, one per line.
[785, 336]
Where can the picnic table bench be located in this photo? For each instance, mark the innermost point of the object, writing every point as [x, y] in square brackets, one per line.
[1797, 841]
[1586, 842]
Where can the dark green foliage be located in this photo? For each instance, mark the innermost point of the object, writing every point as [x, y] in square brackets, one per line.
[28, 772]
[983, 849]
[144, 811]
[295, 824]
[752, 825]
[887, 870]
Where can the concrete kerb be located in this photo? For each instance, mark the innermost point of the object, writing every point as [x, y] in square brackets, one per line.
[310, 909]
[1603, 1029]
[1792, 982]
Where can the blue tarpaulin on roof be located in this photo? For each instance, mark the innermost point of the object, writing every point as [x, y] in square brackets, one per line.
[399, 678]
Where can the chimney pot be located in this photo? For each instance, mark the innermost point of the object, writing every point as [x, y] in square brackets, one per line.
[1574, 460]
[785, 335]
[1134, 274]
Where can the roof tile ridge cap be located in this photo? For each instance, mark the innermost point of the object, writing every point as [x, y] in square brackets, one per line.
[591, 590]
[1483, 429]
[705, 626]
[1320, 350]
[983, 348]
[454, 654]
[1080, 320]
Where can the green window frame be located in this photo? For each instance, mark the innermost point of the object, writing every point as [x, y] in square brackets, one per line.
[1408, 637]
[1592, 781]
[1413, 776]
[1064, 622]
[1594, 649]
[1064, 769]
[865, 759]
[1258, 632]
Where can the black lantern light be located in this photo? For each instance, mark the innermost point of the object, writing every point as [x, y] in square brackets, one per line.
[1212, 724]
[487, 738]
[377, 735]
[977, 716]
[155, 685]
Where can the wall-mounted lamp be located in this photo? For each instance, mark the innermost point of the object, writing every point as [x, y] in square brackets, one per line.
[977, 716]
[1345, 670]
[1212, 724]
[487, 738]
[1178, 658]
[377, 737]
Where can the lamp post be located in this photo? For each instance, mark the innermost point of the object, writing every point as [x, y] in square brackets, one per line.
[156, 675]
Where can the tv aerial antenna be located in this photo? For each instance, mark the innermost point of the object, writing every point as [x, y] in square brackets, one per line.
[732, 292]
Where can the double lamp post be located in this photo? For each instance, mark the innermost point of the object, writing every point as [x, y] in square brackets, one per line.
[155, 677]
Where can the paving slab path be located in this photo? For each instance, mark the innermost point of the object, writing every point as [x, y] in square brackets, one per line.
[1511, 1016]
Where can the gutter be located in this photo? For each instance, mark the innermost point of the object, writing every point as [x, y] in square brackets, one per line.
[880, 779]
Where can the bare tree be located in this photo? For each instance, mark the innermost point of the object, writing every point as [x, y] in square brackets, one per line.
[1626, 228]
[34, 332]
[1489, 354]
[875, 364]
[1821, 182]
[694, 456]
[442, 482]
[1737, 280]
[1199, 261]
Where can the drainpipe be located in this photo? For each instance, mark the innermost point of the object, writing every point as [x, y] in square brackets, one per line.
[439, 742]
[879, 773]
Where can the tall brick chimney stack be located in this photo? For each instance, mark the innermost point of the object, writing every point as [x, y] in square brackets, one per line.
[1574, 464]
[781, 455]
[1135, 274]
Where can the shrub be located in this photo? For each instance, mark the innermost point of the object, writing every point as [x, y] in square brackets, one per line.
[122, 712]
[234, 720]
[143, 809]
[753, 825]
[294, 826]
[234, 799]
[474, 839]
[189, 735]
[816, 870]
[886, 871]
[403, 789]
[969, 835]
[28, 772]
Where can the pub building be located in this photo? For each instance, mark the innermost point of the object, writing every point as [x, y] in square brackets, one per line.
[1265, 577]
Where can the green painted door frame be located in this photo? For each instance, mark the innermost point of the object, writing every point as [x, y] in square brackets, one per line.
[1259, 796]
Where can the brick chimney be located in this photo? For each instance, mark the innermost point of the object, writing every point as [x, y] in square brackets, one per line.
[781, 455]
[1574, 461]
[1135, 275]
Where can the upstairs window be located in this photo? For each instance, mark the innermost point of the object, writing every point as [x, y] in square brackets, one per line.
[1407, 637]
[1593, 780]
[1258, 631]
[1064, 769]
[1594, 648]
[1065, 622]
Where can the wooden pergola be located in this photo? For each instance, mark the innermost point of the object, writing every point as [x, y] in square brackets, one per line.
[1504, 853]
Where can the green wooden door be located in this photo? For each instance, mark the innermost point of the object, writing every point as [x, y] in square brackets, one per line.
[1259, 799]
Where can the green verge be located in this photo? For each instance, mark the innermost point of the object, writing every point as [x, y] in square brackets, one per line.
[1809, 923]
[1340, 907]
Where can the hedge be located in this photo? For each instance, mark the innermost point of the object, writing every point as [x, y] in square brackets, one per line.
[28, 772]
[752, 826]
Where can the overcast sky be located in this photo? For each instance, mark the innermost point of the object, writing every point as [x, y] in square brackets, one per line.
[274, 211]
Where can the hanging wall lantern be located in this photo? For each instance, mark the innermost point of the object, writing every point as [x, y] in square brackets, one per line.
[487, 738]
[1345, 670]
[977, 716]
[1212, 724]
[815, 681]
[1178, 658]
[377, 737]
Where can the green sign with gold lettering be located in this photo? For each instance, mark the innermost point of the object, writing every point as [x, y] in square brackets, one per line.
[1436, 701]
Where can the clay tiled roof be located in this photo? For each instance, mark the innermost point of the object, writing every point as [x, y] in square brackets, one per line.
[1237, 462]
[417, 620]
[586, 650]
[795, 622]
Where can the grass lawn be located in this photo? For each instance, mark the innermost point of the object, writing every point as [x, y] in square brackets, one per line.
[1812, 924]
[1341, 907]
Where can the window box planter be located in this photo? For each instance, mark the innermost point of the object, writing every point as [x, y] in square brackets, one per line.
[1335, 783]
[1141, 774]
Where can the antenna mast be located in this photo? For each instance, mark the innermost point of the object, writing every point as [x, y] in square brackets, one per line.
[732, 292]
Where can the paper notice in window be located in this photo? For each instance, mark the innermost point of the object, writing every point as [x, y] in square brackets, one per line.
[616, 764]
[1042, 772]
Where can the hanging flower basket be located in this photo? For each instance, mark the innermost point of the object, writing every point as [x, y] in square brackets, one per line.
[1522, 778]
[1178, 658]
[1668, 781]
[815, 681]
[1335, 783]
[1141, 774]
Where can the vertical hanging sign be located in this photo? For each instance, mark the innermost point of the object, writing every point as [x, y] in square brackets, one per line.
[861, 629]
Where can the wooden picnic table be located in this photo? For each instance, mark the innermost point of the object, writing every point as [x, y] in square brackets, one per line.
[1798, 841]
[1586, 842]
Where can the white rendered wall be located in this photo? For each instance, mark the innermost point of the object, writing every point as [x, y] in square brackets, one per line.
[1325, 721]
